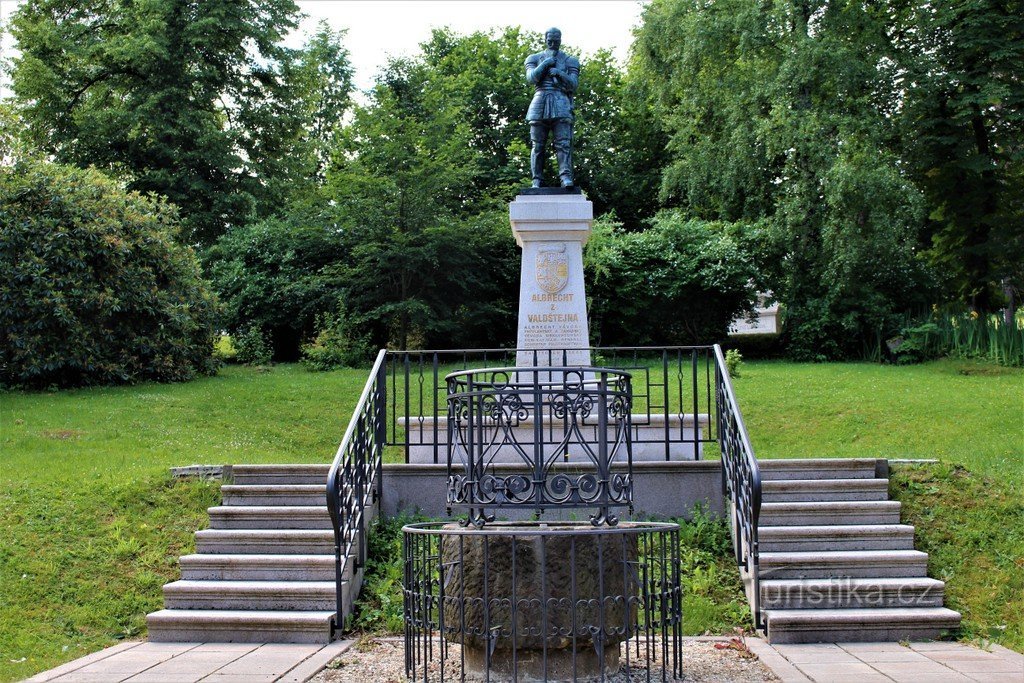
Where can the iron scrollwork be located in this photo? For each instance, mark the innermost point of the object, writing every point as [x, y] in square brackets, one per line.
[516, 410]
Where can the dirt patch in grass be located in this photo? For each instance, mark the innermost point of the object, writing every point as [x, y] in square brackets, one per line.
[61, 434]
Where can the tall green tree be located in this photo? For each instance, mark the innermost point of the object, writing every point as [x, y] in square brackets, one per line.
[782, 110]
[423, 267]
[963, 131]
[185, 98]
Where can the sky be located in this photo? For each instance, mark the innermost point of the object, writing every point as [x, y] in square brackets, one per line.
[381, 28]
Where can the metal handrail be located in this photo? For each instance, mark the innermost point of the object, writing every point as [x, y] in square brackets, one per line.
[741, 481]
[669, 383]
[355, 477]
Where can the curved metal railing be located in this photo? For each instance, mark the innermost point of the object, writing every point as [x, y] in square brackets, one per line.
[502, 414]
[741, 482]
[354, 480]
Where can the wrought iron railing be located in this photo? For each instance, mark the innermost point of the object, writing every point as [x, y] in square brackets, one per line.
[497, 415]
[681, 394]
[673, 396]
[741, 482]
[354, 482]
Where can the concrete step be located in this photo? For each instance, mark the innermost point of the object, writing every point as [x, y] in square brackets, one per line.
[240, 626]
[274, 494]
[250, 595]
[819, 468]
[851, 593]
[265, 541]
[830, 513]
[280, 474]
[818, 490]
[258, 567]
[844, 564]
[269, 517]
[835, 537]
[859, 625]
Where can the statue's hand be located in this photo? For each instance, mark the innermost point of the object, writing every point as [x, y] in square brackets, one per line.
[547, 63]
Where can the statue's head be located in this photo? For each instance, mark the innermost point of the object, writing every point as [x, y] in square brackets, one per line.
[553, 39]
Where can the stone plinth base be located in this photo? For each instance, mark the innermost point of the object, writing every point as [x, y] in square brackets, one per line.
[553, 603]
[531, 666]
[551, 229]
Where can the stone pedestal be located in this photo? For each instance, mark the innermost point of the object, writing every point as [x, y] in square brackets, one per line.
[551, 229]
[544, 606]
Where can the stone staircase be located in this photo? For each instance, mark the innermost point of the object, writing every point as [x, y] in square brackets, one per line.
[264, 570]
[836, 565]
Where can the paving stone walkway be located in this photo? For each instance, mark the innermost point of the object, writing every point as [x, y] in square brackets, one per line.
[145, 662]
[926, 662]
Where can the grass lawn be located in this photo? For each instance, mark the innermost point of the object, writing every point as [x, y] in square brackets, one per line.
[962, 412]
[93, 526]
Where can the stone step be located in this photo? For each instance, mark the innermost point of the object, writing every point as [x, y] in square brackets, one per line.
[851, 593]
[818, 468]
[250, 595]
[818, 490]
[240, 626]
[280, 474]
[274, 494]
[844, 564]
[859, 625]
[830, 513]
[835, 537]
[202, 567]
[265, 541]
[269, 517]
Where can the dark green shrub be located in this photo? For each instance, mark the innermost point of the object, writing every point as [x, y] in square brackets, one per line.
[93, 287]
[335, 345]
[278, 275]
[251, 347]
[678, 282]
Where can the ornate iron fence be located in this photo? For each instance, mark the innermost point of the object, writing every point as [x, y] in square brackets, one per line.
[354, 481]
[536, 601]
[405, 395]
[673, 396]
[741, 483]
[500, 414]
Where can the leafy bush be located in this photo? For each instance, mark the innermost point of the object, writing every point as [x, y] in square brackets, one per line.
[334, 346]
[93, 287]
[380, 605]
[224, 349]
[278, 275]
[915, 344]
[733, 361]
[678, 282]
[252, 348]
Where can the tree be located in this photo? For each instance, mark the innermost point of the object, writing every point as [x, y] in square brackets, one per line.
[278, 275]
[422, 265]
[93, 287]
[784, 111]
[184, 98]
[963, 139]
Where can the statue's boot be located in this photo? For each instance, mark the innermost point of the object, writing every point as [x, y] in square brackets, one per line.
[565, 167]
[537, 165]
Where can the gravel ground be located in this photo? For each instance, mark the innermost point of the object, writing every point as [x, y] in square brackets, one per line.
[383, 660]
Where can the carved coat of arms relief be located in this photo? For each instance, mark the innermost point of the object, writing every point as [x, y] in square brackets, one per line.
[552, 267]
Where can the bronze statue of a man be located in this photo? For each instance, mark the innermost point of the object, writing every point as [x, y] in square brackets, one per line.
[555, 75]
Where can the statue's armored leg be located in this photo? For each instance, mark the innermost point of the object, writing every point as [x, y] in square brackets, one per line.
[563, 151]
[539, 137]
